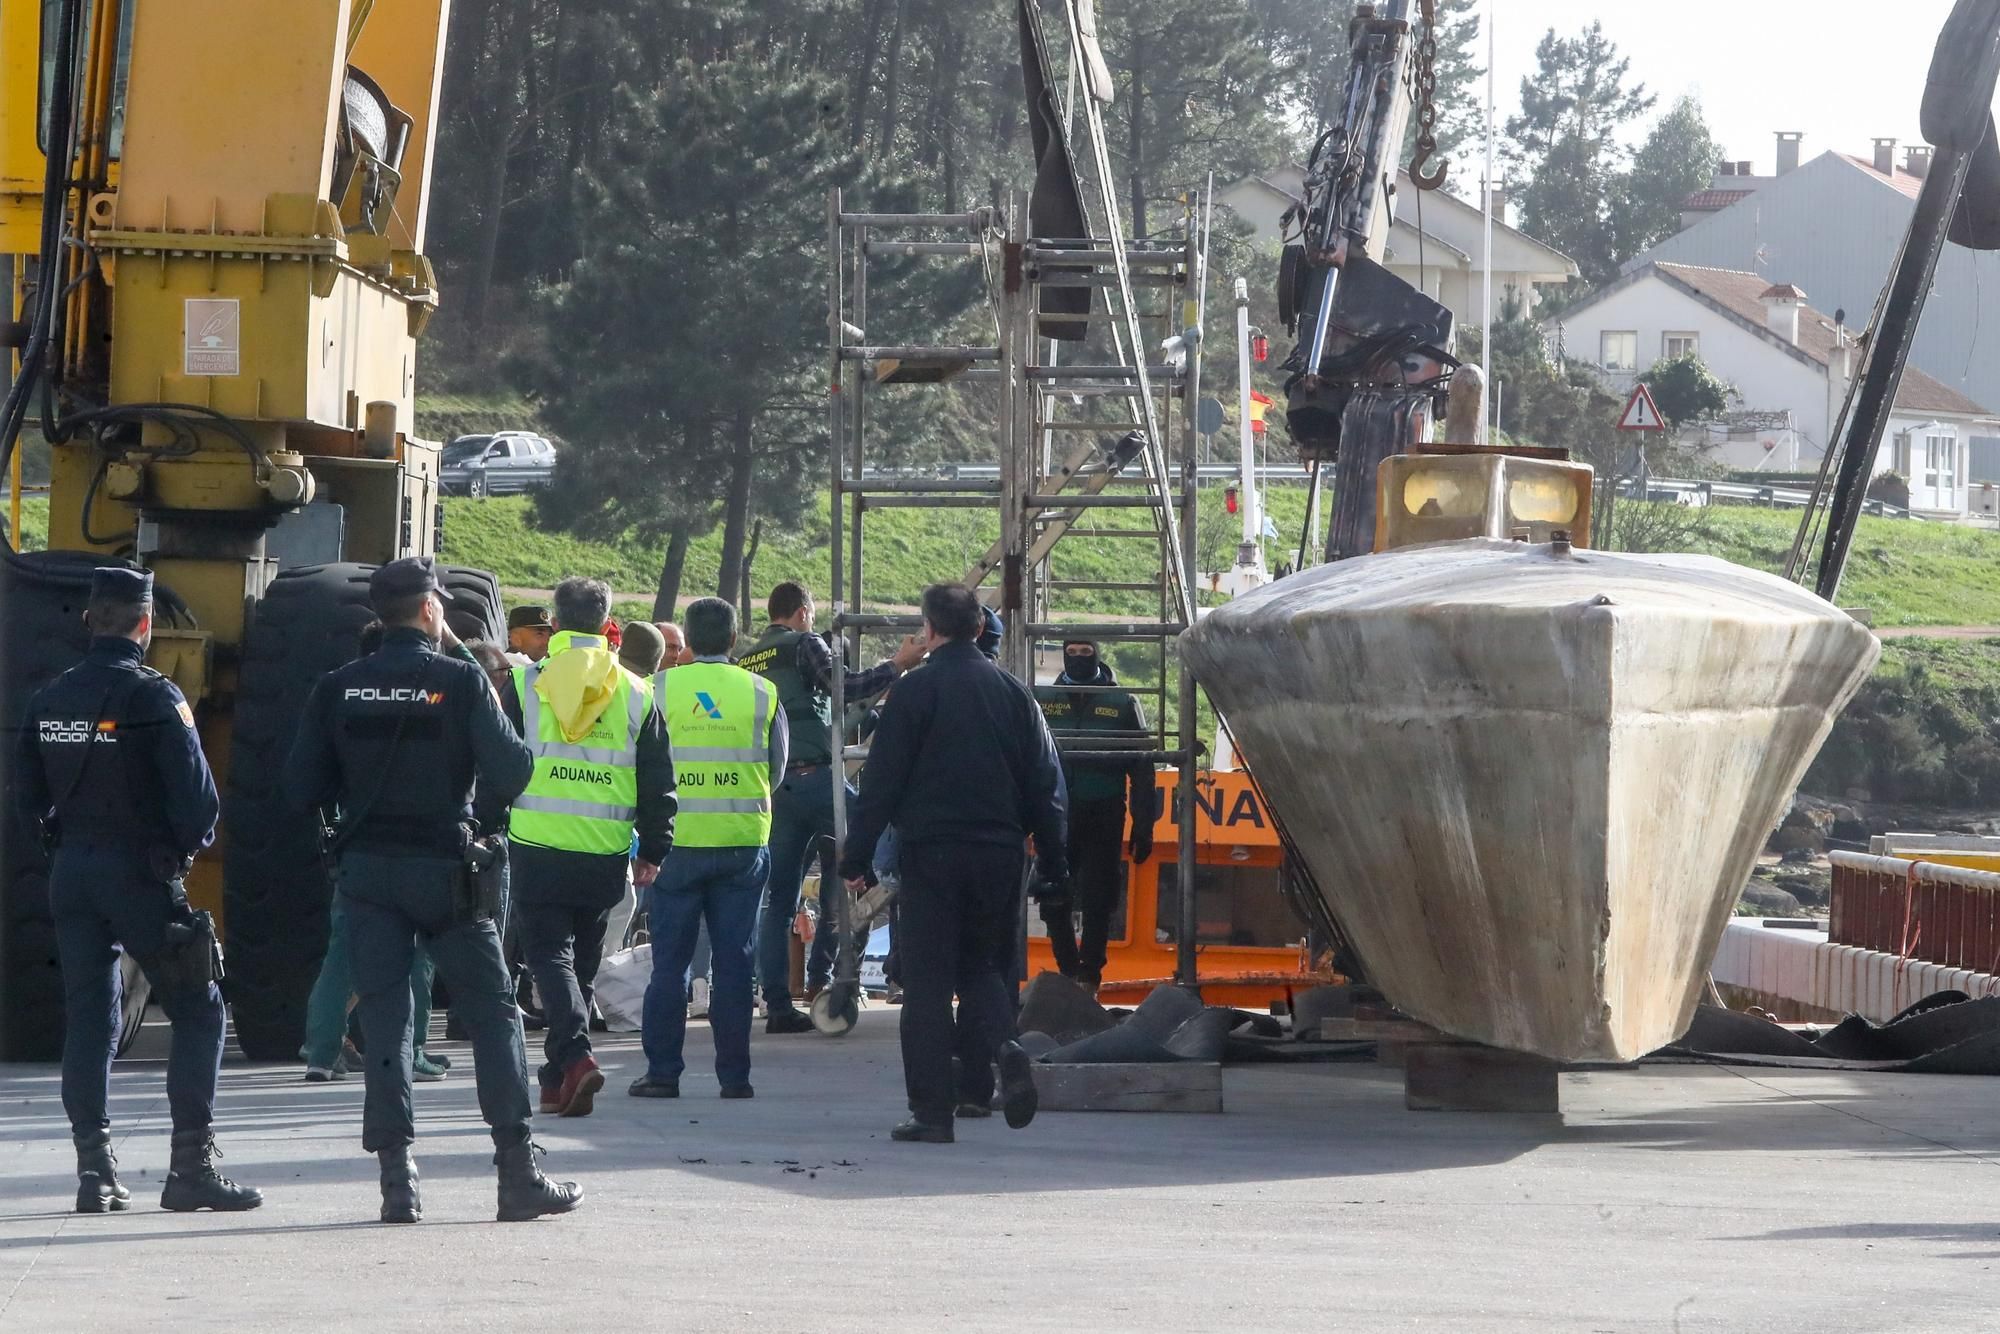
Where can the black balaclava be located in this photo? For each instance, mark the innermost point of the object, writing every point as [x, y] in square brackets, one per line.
[1080, 662]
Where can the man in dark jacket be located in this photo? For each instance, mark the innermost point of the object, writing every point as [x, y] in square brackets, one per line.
[1087, 710]
[800, 665]
[410, 746]
[963, 766]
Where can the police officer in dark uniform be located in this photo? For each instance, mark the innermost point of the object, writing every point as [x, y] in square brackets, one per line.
[1097, 808]
[397, 741]
[111, 769]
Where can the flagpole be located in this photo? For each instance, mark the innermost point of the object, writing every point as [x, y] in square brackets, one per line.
[1486, 250]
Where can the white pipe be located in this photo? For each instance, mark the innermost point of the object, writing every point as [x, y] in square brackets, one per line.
[1252, 530]
[1486, 246]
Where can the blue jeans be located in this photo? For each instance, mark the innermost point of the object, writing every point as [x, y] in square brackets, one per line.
[801, 815]
[719, 887]
[104, 899]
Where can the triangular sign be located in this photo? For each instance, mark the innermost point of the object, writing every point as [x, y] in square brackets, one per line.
[1640, 413]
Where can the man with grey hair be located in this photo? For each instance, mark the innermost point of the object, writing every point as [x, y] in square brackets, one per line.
[603, 774]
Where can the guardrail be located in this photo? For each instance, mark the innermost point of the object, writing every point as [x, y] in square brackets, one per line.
[1682, 492]
[1947, 915]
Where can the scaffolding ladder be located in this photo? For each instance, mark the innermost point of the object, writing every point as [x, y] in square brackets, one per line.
[1096, 451]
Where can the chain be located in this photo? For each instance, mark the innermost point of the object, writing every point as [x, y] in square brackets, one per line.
[1426, 91]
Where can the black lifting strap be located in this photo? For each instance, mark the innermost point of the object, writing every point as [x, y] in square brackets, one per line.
[344, 830]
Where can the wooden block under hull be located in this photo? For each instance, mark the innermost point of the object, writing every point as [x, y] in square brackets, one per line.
[1164, 1086]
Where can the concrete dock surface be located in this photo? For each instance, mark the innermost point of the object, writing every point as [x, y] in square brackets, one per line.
[1666, 1198]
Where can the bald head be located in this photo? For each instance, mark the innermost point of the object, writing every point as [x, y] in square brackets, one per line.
[677, 649]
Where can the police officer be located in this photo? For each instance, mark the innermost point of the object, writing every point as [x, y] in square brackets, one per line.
[1096, 806]
[111, 767]
[411, 746]
[798, 662]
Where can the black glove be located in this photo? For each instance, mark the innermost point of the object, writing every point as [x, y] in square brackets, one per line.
[1142, 843]
[1050, 890]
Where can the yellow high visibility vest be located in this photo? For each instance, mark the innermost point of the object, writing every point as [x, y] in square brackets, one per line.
[719, 723]
[584, 794]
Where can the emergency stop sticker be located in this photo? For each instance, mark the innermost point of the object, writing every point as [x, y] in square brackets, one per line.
[214, 336]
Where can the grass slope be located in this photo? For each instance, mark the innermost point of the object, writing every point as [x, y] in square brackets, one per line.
[1907, 573]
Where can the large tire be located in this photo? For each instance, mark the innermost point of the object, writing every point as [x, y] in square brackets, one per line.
[275, 890]
[473, 604]
[43, 594]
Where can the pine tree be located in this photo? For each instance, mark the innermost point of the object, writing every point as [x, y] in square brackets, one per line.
[1674, 162]
[1564, 139]
[679, 356]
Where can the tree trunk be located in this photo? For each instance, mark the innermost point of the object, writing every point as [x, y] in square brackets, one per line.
[501, 127]
[1135, 135]
[667, 594]
[749, 562]
[736, 514]
[885, 136]
[871, 35]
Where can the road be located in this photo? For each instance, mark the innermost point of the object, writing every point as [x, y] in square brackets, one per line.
[1667, 1198]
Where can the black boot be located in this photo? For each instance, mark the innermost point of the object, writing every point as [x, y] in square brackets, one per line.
[97, 1188]
[524, 1192]
[400, 1202]
[193, 1183]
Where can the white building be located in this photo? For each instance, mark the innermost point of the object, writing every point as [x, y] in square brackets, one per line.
[1832, 225]
[1444, 260]
[1783, 357]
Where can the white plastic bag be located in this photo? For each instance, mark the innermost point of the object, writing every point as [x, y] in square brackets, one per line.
[621, 987]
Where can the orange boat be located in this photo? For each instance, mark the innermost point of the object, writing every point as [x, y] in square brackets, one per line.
[1251, 949]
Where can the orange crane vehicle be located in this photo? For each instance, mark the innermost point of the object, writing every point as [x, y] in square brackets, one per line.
[212, 214]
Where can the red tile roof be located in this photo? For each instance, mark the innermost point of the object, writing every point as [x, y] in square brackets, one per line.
[1741, 294]
[1710, 201]
[1900, 179]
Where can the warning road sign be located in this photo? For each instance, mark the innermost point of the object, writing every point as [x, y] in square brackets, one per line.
[1640, 414]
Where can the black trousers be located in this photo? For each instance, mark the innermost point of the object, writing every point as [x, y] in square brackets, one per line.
[390, 902]
[563, 946]
[956, 920]
[559, 904]
[1097, 875]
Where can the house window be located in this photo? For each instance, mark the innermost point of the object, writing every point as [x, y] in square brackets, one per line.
[1941, 462]
[1680, 345]
[1618, 350]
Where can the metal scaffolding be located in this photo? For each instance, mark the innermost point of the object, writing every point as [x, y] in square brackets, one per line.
[1085, 451]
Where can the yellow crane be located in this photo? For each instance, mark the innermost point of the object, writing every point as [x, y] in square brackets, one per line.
[213, 214]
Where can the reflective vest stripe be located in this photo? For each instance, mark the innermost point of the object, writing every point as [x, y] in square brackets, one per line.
[723, 754]
[592, 810]
[724, 805]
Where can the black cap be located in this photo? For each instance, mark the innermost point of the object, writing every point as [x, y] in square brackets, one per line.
[403, 578]
[115, 583]
[530, 617]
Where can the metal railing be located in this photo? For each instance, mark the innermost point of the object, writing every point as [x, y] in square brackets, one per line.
[1682, 492]
[1946, 915]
